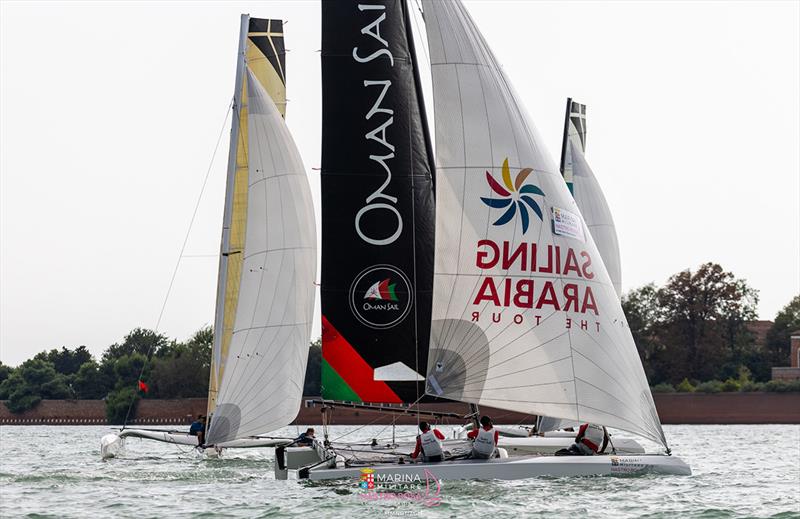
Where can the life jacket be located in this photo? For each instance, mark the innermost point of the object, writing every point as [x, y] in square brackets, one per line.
[593, 436]
[431, 446]
[484, 446]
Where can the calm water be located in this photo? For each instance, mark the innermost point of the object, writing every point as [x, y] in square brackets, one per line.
[739, 471]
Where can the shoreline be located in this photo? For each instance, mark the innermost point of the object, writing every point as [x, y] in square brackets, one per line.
[673, 408]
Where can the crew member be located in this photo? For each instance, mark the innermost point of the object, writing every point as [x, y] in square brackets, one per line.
[198, 428]
[486, 437]
[591, 439]
[428, 443]
[305, 439]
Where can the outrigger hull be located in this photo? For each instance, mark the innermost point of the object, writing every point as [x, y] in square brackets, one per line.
[111, 444]
[512, 468]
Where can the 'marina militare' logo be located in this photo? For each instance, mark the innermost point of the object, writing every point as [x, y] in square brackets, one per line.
[381, 296]
[516, 196]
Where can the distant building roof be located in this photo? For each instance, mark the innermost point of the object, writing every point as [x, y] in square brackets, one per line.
[795, 333]
[759, 330]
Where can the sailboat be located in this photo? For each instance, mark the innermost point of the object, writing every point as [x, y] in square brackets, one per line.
[524, 313]
[267, 263]
[589, 198]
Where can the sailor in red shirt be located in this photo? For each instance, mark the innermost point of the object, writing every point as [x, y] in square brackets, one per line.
[428, 443]
[486, 438]
[591, 439]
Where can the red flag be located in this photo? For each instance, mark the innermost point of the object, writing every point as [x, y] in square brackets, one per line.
[143, 386]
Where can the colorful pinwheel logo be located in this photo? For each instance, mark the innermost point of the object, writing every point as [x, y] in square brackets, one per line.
[517, 198]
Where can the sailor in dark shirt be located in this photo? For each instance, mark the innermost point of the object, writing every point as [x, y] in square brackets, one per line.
[198, 428]
[305, 439]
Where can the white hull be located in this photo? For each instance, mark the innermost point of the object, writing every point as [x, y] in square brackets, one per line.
[320, 463]
[514, 468]
[549, 445]
[516, 442]
[112, 444]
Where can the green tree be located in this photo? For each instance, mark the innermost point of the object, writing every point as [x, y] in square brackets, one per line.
[66, 361]
[778, 336]
[91, 382]
[129, 369]
[119, 402]
[695, 326]
[5, 372]
[181, 370]
[641, 311]
[33, 380]
[139, 341]
[702, 322]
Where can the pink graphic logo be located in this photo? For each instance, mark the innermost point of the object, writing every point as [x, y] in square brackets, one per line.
[400, 487]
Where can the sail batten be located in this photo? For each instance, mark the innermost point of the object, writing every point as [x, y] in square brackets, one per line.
[525, 315]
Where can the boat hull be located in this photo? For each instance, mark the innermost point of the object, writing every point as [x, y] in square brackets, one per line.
[516, 442]
[549, 445]
[514, 468]
[111, 444]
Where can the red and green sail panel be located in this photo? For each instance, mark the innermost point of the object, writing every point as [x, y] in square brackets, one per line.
[346, 375]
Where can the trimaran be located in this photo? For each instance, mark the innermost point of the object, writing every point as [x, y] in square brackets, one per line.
[267, 262]
[468, 274]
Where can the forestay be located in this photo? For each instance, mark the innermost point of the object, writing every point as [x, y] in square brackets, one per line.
[525, 316]
[587, 192]
[261, 385]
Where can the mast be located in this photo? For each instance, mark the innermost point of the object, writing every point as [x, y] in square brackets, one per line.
[587, 192]
[268, 255]
[218, 354]
[566, 172]
[260, 50]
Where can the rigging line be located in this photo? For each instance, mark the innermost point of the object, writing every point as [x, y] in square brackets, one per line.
[357, 429]
[410, 43]
[228, 110]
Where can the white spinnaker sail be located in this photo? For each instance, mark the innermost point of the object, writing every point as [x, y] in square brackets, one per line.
[487, 346]
[588, 194]
[262, 383]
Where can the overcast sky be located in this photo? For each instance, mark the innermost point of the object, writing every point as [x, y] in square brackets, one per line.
[110, 114]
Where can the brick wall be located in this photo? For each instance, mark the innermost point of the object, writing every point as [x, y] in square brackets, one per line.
[673, 408]
[93, 412]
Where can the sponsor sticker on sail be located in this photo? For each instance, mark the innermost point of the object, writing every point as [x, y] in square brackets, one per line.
[567, 224]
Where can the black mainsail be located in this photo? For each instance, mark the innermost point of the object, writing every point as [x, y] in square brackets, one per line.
[377, 206]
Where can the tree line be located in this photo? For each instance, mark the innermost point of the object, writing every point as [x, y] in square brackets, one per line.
[694, 329]
[692, 334]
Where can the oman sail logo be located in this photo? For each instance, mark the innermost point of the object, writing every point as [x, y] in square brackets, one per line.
[382, 291]
[517, 197]
[381, 296]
